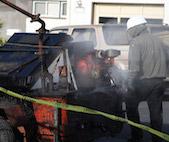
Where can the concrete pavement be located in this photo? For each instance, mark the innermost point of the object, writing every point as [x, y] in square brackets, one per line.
[145, 119]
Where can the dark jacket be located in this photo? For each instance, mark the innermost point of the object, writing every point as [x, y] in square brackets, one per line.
[147, 58]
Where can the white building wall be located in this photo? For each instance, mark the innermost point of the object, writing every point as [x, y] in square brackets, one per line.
[80, 15]
[131, 1]
[83, 15]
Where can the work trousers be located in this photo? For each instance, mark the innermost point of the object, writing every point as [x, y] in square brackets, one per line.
[150, 90]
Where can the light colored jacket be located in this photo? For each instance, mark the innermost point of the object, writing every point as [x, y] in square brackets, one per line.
[147, 58]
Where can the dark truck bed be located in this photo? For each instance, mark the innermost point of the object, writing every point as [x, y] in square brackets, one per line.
[19, 57]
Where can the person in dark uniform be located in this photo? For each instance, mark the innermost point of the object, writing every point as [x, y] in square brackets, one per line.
[147, 70]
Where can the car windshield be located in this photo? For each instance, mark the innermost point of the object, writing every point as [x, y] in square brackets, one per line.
[115, 34]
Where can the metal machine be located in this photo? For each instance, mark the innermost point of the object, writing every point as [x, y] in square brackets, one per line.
[53, 67]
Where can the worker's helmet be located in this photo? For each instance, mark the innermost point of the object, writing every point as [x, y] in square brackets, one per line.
[134, 21]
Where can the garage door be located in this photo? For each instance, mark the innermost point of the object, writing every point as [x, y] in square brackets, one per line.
[119, 13]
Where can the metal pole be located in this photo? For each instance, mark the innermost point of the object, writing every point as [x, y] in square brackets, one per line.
[56, 125]
[70, 72]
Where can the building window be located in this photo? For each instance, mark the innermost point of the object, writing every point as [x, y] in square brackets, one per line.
[63, 9]
[123, 20]
[50, 8]
[154, 21]
[149, 21]
[107, 20]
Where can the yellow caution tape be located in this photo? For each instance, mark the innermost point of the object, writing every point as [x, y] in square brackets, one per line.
[81, 109]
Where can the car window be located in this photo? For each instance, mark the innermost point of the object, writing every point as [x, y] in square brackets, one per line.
[84, 34]
[115, 35]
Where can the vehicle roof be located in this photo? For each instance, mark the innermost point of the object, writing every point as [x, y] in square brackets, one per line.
[154, 27]
[85, 26]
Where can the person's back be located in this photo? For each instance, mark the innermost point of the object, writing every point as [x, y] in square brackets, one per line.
[152, 56]
[147, 69]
